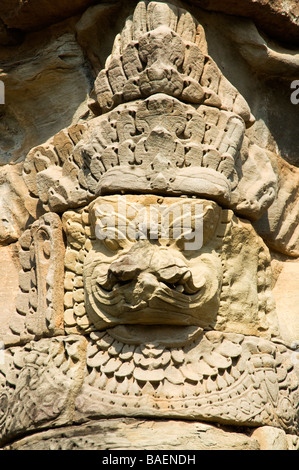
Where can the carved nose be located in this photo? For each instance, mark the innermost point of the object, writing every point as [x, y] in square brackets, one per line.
[130, 265]
[124, 269]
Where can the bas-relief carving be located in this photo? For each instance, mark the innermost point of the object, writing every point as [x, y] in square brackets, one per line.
[17, 208]
[122, 280]
[150, 327]
[39, 301]
[38, 383]
[187, 104]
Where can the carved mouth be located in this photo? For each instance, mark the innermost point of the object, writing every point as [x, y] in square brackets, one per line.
[132, 296]
[148, 287]
[169, 295]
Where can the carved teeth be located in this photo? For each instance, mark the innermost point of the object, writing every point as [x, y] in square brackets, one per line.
[112, 385]
[211, 385]
[101, 382]
[235, 374]
[123, 387]
[91, 377]
[134, 389]
[180, 288]
[222, 384]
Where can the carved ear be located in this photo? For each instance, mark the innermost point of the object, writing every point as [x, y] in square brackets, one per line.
[53, 172]
[40, 299]
[257, 187]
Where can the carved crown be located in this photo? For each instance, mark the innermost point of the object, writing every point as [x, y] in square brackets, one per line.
[168, 123]
[163, 146]
[162, 49]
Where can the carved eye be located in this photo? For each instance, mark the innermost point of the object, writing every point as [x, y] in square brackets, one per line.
[111, 244]
[47, 248]
[188, 241]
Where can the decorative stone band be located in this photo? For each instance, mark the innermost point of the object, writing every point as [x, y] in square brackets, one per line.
[39, 303]
[226, 378]
[38, 383]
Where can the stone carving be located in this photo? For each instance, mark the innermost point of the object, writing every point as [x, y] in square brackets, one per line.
[38, 383]
[145, 289]
[39, 303]
[9, 275]
[119, 279]
[228, 377]
[196, 116]
[17, 208]
[51, 172]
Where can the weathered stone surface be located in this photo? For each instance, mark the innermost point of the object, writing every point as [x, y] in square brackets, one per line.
[286, 296]
[279, 20]
[271, 438]
[39, 302]
[279, 225]
[262, 54]
[47, 69]
[134, 434]
[17, 208]
[9, 274]
[38, 384]
[95, 29]
[32, 16]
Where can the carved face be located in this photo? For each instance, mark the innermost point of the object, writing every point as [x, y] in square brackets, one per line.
[153, 261]
[154, 274]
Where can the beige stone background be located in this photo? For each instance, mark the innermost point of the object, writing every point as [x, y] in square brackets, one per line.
[50, 54]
